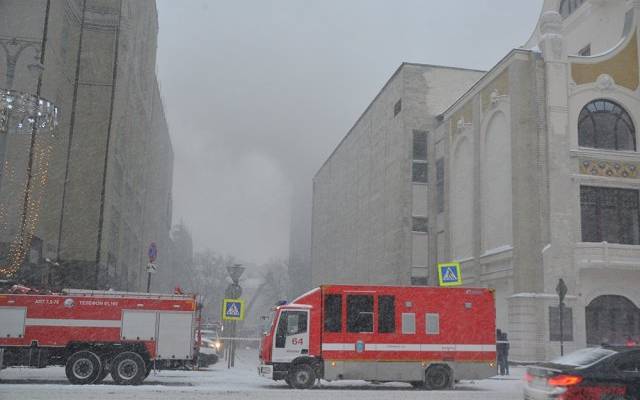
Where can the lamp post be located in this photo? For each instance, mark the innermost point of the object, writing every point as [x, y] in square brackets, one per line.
[233, 291]
[561, 289]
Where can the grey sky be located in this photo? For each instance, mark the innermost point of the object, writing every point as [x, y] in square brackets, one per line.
[258, 93]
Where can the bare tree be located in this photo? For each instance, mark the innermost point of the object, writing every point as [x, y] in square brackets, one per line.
[208, 278]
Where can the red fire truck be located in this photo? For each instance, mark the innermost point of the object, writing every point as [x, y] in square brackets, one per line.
[96, 333]
[429, 337]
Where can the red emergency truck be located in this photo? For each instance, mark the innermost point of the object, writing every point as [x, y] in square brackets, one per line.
[429, 337]
[96, 333]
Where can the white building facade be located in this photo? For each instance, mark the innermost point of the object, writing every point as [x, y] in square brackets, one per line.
[533, 176]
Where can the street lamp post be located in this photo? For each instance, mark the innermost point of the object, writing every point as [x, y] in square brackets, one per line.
[561, 289]
[233, 291]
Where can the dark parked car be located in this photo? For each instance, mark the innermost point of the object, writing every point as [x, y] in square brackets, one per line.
[598, 373]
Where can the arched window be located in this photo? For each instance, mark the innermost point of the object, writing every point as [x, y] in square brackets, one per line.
[567, 7]
[604, 124]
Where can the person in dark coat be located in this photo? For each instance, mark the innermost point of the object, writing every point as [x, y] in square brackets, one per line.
[502, 348]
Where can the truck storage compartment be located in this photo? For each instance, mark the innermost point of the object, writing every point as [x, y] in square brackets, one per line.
[13, 319]
[175, 335]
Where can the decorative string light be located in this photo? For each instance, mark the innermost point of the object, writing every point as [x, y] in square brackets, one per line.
[23, 113]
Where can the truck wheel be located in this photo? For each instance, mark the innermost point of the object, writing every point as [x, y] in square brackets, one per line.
[104, 372]
[302, 376]
[149, 368]
[437, 377]
[83, 367]
[128, 368]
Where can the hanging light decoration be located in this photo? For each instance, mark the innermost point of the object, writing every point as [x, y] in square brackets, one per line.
[23, 114]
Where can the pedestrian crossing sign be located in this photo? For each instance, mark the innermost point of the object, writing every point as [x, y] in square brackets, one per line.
[233, 309]
[449, 274]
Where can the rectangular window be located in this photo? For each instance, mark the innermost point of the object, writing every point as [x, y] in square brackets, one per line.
[433, 324]
[585, 51]
[397, 107]
[408, 323]
[420, 224]
[420, 145]
[386, 314]
[419, 172]
[333, 313]
[419, 281]
[554, 324]
[440, 184]
[359, 313]
[609, 215]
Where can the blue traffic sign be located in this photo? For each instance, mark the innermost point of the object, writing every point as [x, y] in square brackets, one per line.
[449, 274]
[233, 309]
[152, 252]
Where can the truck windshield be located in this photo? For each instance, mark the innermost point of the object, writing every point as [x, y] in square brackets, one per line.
[267, 322]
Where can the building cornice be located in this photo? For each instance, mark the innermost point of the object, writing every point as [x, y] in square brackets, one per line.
[515, 54]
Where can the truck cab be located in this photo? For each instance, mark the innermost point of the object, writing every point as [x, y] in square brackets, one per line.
[286, 343]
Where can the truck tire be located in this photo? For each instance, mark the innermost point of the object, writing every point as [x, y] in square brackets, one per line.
[128, 368]
[438, 377]
[288, 381]
[106, 366]
[149, 368]
[83, 367]
[302, 376]
[102, 376]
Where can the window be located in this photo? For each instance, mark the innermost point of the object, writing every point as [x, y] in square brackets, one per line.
[419, 281]
[420, 224]
[408, 323]
[419, 168]
[567, 7]
[397, 107]
[333, 313]
[419, 172]
[609, 215]
[420, 145]
[386, 314]
[291, 323]
[440, 184]
[359, 313]
[603, 124]
[554, 324]
[433, 324]
[585, 51]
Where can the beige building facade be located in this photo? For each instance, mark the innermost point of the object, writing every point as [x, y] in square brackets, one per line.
[108, 189]
[532, 178]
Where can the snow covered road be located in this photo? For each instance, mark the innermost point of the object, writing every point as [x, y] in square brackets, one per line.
[241, 382]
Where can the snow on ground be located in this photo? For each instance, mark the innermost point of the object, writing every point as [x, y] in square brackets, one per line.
[241, 382]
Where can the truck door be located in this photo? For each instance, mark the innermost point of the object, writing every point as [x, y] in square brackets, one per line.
[292, 335]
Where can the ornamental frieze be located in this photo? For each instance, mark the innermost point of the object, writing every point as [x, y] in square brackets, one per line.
[613, 169]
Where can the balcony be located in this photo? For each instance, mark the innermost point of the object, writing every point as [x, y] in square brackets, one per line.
[607, 255]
